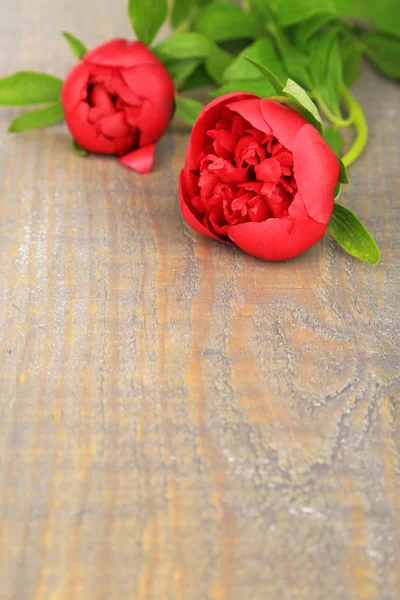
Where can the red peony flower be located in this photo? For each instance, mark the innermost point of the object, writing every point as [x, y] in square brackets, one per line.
[259, 175]
[118, 100]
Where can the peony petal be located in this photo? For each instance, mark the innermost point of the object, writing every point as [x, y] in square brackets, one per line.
[114, 126]
[152, 123]
[121, 53]
[154, 83]
[74, 89]
[277, 239]
[251, 111]
[285, 122]
[187, 213]
[85, 133]
[206, 121]
[316, 169]
[268, 170]
[140, 160]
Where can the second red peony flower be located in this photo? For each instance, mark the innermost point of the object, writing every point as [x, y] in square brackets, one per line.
[119, 100]
[259, 175]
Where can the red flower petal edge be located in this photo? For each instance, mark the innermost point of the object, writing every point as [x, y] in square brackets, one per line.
[140, 160]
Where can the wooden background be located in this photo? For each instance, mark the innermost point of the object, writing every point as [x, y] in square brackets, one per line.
[180, 421]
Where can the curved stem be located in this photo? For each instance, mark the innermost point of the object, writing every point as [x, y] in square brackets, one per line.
[338, 121]
[360, 123]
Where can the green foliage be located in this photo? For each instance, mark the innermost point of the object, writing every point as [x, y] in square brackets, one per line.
[333, 139]
[184, 45]
[262, 52]
[220, 21]
[181, 10]
[307, 107]
[384, 52]
[77, 47]
[326, 67]
[188, 109]
[40, 117]
[352, 236]
[296, 11]
[28, 87]
[146, 17]
[78, 149]
[269, 76]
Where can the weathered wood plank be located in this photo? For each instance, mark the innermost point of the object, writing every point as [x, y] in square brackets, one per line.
[179, 420]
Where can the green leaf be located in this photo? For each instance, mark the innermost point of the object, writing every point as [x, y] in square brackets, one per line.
[198, 79]
[78, 149]
[265, 8]
[326, 67]
[188, 109]
[262, 52]
[38, 118]
[296, 11]
[258, 87]
[269, 76]
[300, 96]
[337, 191]
[343, 177]
[384, 14]
[181, 9]
[384, 52]
[29, 87]
[76, 45]
[333, 138]
[146, 17]
[220, 21]
[351, 234]
[184, 45]
[217, 63]
[180, 70]
[303, 32]
[296, 63]
[351, 53]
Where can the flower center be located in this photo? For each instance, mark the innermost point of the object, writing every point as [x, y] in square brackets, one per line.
[243, 175]
[114, 109]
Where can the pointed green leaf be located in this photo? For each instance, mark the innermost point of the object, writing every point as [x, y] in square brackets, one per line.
[384, 52]
[181, 9]
[294, 91]
[263, 52]
[198, 79]
[333, 138]
[76, 45]
[270, 77]
[146, 17]
[296, 11]
[78, 149]
[296, 63]
[326, 67]
[351, 234]
[38, 118]
[351, 53]
[29, 87]
[188, 109]
[184, 45]
[220, 21]
[217, 63]
[180, 70]
[343, 177]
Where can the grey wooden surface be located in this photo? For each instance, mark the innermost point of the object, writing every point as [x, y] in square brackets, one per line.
[179, 420]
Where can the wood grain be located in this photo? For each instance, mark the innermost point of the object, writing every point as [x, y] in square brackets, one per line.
[179, 420]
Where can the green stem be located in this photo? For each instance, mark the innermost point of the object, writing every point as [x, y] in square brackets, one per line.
[360, 123]
[335, 119]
